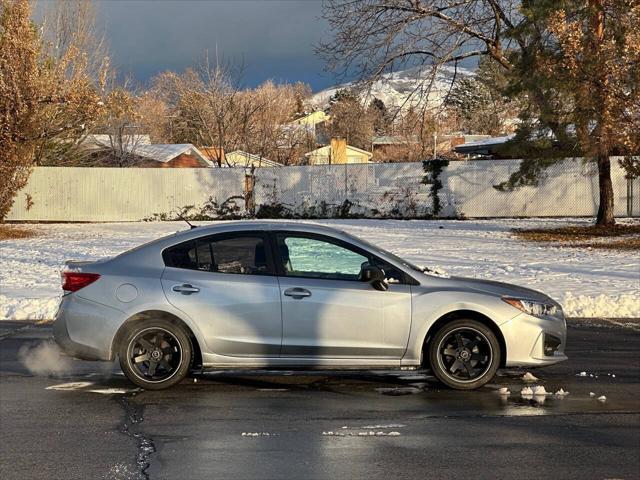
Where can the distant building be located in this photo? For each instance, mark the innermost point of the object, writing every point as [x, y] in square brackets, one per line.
[214, 154]
[238, 158]
[397, 148]
[180, 155]
[311, 119]
[394, 140]
[98, 141]
[308, 127]
[338, 152]
[482, 148]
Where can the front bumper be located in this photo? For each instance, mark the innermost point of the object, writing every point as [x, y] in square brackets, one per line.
[526, 338]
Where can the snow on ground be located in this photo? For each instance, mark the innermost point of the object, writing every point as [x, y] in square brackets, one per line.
[589, 283]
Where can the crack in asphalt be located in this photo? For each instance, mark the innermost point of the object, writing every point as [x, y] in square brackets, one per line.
[145, 448]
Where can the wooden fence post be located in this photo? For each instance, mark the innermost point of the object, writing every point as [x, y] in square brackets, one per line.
[249, 187]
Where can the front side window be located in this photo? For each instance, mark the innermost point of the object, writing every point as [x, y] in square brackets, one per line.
[242, 254]
[311, 257]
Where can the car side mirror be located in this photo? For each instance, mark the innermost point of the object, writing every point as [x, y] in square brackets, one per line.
[373, 275]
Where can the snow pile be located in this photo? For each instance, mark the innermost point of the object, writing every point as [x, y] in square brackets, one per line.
[375, 427]
[361, 434]
[561, 393]
[28, 308]
[526, 391]
[397, 391]
[539, 390]
[589, 283]
[604, 305]
[69, 386]
[528, 377]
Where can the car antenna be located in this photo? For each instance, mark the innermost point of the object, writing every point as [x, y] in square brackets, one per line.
[186, 221]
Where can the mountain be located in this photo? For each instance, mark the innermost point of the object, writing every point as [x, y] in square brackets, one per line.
[395, 88]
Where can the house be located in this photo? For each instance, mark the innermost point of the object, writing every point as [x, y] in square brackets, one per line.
[311, 119]
[482, 148]
[98, 141]
[310, 126]
[238, 158]
[338, 152]
[394, 140]
[179, 155]
[396, 148]
[214, 154]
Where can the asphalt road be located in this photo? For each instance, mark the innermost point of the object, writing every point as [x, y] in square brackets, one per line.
[215, 426]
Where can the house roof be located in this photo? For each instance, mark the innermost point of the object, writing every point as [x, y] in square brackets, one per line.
[312, 118]
[250, 157]
[105, 139]
[325, 151]
[484, 147]
[394, 140]
[165, 152]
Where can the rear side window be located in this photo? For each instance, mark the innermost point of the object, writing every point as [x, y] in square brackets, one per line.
[241, 254]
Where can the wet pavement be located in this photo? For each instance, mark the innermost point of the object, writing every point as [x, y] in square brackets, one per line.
[292, 425]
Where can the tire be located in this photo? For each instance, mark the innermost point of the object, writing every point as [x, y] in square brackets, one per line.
[464, 354]
[155, 354]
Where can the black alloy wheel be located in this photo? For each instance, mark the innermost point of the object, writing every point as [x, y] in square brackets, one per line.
[464, 354]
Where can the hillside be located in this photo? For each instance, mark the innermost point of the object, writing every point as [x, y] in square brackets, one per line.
[394, 89]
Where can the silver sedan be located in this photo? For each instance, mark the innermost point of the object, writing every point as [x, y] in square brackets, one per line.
[284, 295]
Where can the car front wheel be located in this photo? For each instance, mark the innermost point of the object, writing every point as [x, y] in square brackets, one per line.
[464, 354]
[155, 354]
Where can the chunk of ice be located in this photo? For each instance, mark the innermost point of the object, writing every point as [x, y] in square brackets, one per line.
[539, 390]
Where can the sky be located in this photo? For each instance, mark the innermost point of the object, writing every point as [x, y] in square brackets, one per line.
[272, 39]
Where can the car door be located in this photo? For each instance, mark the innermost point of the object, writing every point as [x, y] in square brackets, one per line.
[226, 284]
[327, 312]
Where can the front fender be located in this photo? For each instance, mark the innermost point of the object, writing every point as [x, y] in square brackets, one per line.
[430, 306]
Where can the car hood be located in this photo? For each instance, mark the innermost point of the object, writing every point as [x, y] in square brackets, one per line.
[499, 289]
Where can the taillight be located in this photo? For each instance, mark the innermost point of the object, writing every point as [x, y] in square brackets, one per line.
[74, 281]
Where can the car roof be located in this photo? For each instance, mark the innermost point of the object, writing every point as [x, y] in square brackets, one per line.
[241, 225]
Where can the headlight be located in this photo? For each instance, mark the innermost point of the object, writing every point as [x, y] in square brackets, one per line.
[536, 309]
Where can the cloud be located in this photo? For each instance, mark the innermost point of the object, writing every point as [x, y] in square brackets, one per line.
[272, 39]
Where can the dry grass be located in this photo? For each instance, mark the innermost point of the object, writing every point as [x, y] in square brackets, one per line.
[618, 237]
[9, 232]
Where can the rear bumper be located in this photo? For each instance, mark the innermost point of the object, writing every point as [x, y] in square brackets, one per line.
[526, 337]
[86, 329]
[74, 349]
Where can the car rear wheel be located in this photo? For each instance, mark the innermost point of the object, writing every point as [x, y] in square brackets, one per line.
[155, 354]
[464, 354]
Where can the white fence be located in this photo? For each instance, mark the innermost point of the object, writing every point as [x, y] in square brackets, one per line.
[569, 188]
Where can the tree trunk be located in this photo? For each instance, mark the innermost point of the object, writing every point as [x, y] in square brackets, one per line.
[605, 210]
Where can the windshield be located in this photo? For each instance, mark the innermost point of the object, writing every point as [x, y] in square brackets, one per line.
[376, 249]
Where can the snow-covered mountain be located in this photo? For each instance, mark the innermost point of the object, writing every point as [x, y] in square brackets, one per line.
[394, 89]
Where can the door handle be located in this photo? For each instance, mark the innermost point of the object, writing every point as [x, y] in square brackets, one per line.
[185, 289]
[297, 293]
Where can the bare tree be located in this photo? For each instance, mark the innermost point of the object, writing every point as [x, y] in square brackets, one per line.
[72, 24]
[208, 108]
[373, 37]
[44, 104]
